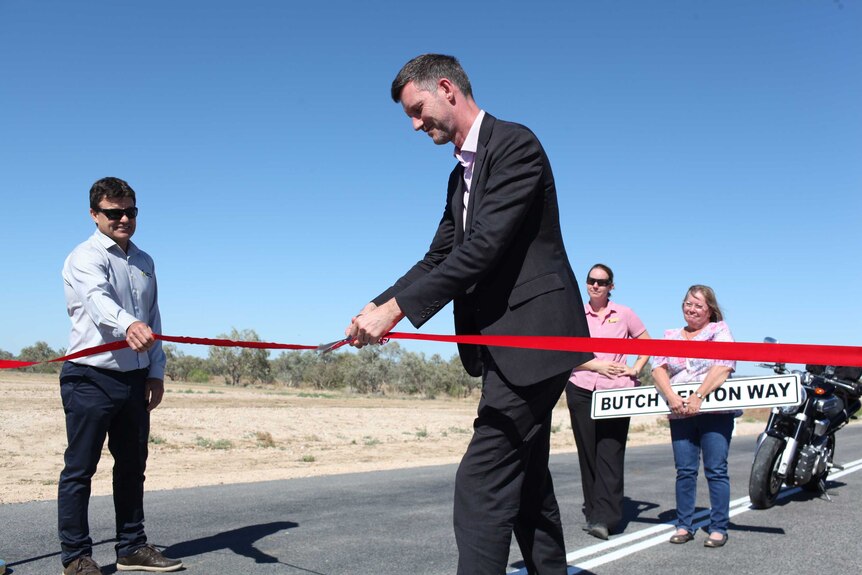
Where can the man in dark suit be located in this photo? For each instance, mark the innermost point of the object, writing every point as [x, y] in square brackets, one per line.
[498, 254]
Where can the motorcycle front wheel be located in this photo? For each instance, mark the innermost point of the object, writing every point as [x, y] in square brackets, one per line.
[764, 483]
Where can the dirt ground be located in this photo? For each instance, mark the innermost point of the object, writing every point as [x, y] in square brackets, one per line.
[213, 434]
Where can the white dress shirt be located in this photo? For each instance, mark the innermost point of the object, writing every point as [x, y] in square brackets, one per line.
[466, 156]
[106, 291]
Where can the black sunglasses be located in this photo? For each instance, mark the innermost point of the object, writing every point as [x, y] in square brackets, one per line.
[117, 214]
[602, 283]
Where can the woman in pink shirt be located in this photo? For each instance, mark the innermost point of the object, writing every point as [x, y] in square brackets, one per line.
[602, 443]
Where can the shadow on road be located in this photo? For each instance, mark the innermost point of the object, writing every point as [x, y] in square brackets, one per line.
[240, 541]
[632, 509]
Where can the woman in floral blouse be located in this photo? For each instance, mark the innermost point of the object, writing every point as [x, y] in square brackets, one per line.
[694, 433]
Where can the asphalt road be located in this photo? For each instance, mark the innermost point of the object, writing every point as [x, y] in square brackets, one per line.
[399, 522]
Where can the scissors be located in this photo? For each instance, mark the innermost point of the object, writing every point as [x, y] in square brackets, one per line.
[327, 347]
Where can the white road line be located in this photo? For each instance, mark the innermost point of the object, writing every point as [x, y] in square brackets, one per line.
[658, 534]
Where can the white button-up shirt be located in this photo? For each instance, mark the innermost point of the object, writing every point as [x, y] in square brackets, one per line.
[106, 291]
[466, 156]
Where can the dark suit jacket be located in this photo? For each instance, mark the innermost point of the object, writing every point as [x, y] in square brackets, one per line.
[507, 271]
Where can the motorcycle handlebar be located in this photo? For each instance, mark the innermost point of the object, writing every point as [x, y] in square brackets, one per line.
[853, 387]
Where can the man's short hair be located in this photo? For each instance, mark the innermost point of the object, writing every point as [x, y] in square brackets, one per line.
[110, 188]
[426, 70]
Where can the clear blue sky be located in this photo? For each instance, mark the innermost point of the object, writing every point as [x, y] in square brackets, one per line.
[280, 188]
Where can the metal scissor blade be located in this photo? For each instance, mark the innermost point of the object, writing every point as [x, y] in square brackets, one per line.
[327, 347]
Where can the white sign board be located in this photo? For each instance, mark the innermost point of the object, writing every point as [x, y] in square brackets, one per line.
[735, 393]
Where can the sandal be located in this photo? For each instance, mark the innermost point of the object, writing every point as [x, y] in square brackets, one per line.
[682, 537]
[712, 543]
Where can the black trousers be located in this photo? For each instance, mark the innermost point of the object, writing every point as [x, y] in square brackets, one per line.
[601, 454]
[503, 484]
[99, 403]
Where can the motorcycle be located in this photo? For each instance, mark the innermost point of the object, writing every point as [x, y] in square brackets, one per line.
[798, 445]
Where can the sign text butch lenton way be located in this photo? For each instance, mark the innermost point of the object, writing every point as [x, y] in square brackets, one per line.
[735, 393]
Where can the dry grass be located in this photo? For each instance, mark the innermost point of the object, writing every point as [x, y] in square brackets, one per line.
[213, 434]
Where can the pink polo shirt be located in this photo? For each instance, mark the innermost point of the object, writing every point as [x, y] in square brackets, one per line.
[620, 322]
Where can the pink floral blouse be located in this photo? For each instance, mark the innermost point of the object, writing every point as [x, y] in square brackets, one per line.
[688, 370]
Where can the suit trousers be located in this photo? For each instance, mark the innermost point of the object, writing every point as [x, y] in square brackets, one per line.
[503, 484]
[99, 403]
[601, 455]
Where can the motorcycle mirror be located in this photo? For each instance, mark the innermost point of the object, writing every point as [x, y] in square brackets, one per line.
[768, 339]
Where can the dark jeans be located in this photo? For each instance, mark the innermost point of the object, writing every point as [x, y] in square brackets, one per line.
[503, 484]
[98, 403]
[601, 457]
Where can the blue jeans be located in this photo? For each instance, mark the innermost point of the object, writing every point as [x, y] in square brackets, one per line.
[708, 433]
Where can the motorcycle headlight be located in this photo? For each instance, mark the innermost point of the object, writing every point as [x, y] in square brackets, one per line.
[792, 409]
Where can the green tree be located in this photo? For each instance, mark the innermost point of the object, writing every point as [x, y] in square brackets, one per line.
[328, 371]
[41, 351]
[438, 380]
[6, 354]
[412, 373]
[182, 367]
[376, 368]
[368, 370]
[236, 363]
[459, 383]
[171, 356]
[293, 368]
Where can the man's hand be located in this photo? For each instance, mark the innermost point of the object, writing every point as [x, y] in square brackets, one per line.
[139, 336]
[154, 391]
[373, 322]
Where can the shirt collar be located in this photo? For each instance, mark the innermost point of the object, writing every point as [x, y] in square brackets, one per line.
[108, 243]
[471, 142]
[610, 307]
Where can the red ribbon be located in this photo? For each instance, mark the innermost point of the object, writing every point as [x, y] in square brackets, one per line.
[740, 351]
[113, 346]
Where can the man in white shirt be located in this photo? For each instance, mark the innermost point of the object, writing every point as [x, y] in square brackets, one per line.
[111, 295]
